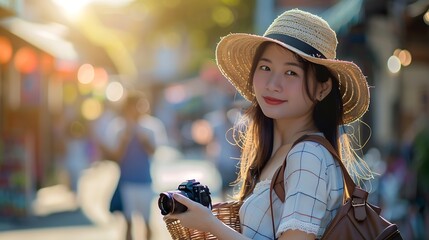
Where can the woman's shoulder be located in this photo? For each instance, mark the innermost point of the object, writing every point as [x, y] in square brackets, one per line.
[314, 159]
[311, 150]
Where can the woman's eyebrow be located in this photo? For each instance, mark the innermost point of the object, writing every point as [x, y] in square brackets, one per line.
[265, 59]
[297, 64]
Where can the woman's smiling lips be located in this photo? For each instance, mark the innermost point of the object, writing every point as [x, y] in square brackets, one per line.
[273, 101]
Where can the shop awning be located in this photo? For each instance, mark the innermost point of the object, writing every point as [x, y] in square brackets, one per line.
[47, 37]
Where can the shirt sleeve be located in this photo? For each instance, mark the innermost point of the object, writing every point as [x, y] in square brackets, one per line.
[306, 189]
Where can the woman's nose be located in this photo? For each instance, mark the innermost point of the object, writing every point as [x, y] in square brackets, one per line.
[273, 83]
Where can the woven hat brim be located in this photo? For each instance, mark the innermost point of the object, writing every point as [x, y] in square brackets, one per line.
[234, 56]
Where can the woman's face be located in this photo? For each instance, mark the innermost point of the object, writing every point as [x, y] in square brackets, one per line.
[279, 85]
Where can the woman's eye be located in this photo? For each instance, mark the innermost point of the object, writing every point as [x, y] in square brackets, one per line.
[290, 73]
[265, 68]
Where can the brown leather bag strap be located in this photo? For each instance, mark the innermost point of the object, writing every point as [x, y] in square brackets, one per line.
[350, 189]
[277, 182]
[271, 206]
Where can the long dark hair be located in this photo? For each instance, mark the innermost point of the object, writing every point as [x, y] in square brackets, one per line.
[256, 138]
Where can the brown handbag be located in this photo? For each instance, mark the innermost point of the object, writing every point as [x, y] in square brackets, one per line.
[356, 218]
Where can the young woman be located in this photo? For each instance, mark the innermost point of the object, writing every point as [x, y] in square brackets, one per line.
[296, 87]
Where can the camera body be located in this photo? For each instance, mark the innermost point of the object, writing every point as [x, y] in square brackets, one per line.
[191, 189]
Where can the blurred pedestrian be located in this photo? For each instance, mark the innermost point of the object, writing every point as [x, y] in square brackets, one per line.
[141, 134]
[78, 150]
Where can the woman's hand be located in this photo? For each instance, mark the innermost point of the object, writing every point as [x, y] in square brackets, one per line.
[196, 217]
[201, 218]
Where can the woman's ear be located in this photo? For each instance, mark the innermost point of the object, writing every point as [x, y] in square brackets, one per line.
[323, 89]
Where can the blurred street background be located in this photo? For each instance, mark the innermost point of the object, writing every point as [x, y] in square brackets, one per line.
[66, 67]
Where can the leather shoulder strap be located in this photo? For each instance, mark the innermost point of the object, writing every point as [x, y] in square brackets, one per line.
[277, 182]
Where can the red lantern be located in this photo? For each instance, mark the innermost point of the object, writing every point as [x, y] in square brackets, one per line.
[46, 62]
[25, 60]
[5, 50]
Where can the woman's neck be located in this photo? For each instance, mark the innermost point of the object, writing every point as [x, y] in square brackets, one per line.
[287, 133]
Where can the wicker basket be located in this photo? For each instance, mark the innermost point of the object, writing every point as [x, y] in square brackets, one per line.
[227, 212]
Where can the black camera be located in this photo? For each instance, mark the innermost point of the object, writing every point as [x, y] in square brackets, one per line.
[190, 189]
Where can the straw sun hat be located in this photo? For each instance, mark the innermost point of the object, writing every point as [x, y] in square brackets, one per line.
[311, 38]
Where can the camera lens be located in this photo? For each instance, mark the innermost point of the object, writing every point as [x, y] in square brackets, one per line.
[167, 204]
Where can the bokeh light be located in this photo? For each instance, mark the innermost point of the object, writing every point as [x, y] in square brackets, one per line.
[396, 52]
[72, 9]
[6, 50]
[394, 64]
[426, 17]
[86, 73]
[223, 16]
[175, 94]
[202, 132]
[91, 108]
[114, 91]
[26, 60]
[405, 57]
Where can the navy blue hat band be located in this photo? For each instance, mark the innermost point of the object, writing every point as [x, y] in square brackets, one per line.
[298, 44]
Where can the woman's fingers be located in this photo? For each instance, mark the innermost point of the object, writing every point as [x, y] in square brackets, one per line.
[196, 217]
[183, 200]
[194, 208]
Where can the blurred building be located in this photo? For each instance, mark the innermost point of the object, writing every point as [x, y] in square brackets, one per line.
[398, 33]
[38, 95]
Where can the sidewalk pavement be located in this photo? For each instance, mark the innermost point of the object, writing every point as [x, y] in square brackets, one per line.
[54, 220]
[62, 226]
[89, 219]
[75, 225]
[58, 213]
